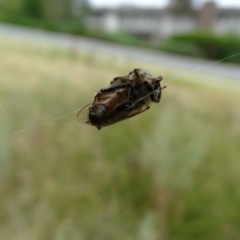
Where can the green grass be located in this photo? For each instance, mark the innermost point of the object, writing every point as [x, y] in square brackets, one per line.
[170, 173]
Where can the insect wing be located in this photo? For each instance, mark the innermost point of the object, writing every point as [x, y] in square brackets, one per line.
[82, 115]
[128, 115]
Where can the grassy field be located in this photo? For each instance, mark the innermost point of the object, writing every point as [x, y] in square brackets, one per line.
[170, 173]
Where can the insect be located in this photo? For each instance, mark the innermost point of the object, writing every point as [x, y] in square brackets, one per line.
[125, 97]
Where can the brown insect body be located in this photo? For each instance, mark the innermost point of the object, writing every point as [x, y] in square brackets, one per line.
[126, 97]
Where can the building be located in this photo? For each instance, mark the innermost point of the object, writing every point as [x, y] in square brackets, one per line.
[162, 23]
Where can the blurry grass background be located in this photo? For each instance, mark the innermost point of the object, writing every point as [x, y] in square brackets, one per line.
[170, 173]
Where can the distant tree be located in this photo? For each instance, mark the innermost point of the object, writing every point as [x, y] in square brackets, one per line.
[56, 9]
[65, 9]
[181, 7]
[21, 8]
[80, 8]
[11, 7]
[32, 8]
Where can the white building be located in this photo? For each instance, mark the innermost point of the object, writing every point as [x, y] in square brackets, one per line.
[161, 23]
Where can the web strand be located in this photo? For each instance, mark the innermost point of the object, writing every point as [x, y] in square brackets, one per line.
[44, 123]
[170, 81]
[199, 68]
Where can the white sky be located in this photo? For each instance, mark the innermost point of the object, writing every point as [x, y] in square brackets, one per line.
[157, 3]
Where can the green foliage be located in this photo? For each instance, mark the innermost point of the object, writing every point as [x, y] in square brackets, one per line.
[54, 10]
[205, 44]
[12, 7]
[181, 47]
[32, 8]
[57, 10]
[21, 8]
[119, 37]
[68, 26]
[183, 7]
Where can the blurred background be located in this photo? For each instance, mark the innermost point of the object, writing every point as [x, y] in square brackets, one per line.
[170, 173]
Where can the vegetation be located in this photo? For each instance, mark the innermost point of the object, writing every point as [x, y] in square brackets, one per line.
[68, 16]
[198, 44]
[185, 7]
[206, 45]
[42, 9]
[170, 173]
